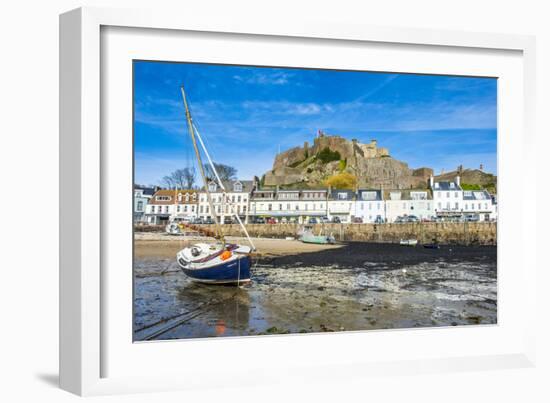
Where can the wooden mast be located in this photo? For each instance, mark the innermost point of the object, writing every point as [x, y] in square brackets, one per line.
[201, 166]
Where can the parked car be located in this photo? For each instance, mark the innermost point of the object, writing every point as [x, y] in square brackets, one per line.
[271, 220]
[471, 217]
[379, 220]
[412, 218]
[209, 220]
[324, 219]
[198, 220]
[228, 220]
[336, 220]
[312, 220]
[357, 220]
[259, 220]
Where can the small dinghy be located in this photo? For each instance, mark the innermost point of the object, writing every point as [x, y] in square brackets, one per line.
[408, 242]
[221, 262]
[306, 235]
[431, 245]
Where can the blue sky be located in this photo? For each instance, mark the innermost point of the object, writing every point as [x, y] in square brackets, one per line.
[246, 113]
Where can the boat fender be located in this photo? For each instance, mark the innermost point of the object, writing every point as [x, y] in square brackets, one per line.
[225, 255]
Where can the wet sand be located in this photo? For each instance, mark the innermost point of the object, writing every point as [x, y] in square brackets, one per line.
[300, 288]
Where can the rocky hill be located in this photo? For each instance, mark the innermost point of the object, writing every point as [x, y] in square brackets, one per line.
[331, 155]
[471, 179]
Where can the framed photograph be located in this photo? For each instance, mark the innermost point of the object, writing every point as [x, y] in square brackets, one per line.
[318, 197]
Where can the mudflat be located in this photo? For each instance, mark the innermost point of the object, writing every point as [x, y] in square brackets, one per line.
[304, 288]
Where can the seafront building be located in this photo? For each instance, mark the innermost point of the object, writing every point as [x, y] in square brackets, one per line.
[289, 205]
[411, 202]
[370, 206]
[341, 205]
[142, 195]
[168, 205]
[442, 200]
[236, 200]
[451, 201]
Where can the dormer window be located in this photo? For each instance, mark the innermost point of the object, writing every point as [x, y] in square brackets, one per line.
[179, 197]
[212, 187]
[237, 187]
[342, 196]
[163, 198]
[452, 185]
[187, 197]
[437, 185]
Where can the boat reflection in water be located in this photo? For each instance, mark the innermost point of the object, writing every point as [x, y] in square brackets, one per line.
[214, 311]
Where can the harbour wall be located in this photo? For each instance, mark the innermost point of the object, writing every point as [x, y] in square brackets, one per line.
[467, 233]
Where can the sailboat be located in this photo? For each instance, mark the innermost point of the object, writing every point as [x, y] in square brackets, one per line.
[219, 263]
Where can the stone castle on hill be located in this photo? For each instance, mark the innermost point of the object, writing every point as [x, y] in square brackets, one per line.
[373, 166]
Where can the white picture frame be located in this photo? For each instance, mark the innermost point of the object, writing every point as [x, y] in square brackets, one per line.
[86, 313]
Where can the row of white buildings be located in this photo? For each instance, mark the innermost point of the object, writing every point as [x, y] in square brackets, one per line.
[443, 200]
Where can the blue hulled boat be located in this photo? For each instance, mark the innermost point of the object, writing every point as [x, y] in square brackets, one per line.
[218, 263]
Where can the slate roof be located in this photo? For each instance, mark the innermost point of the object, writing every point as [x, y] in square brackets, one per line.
[333, 195]
[476, 195]
[377, 195]
[406, 193]
[446, 186]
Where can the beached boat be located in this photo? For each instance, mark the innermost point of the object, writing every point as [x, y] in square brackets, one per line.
[408, 242]
[306, 235]
[219, 263]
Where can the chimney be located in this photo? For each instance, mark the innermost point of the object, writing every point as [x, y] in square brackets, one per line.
[431, 181]
[458, 180]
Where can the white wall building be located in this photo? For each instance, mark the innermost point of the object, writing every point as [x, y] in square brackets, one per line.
[409, 202]
[447, 197]
[142, 195]
[341, 204]
[235, 201]
[370, 206]
[289, 205]
[480, 204]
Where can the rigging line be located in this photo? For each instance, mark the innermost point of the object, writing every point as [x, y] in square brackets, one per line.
[224, 191]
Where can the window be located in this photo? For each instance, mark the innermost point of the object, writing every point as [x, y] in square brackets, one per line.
[179, 197]
[486, 206]
[342, 196]
[306, 206]
[193, 208]
[297, 207]
[448, 195]
[368, 195]
[233, 199]
[456, 194]
[244, 209]
[187, 197]
[178, 209]
[185, 208]
[201, 209]
[280, 207]
[238, 187]
[288, 206]
[139, 206]
[166, 209]
[466, 207]
[370, 206]
[212, 187]
[269, 206]
[152, 209]
[163, 198]
[456, 205]
[239, 199]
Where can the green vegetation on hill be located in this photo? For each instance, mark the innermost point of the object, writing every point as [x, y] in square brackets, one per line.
[326, 155]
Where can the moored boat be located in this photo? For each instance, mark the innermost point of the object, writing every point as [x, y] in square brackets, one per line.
[221, 262]
[408, 242]
[306, 235]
